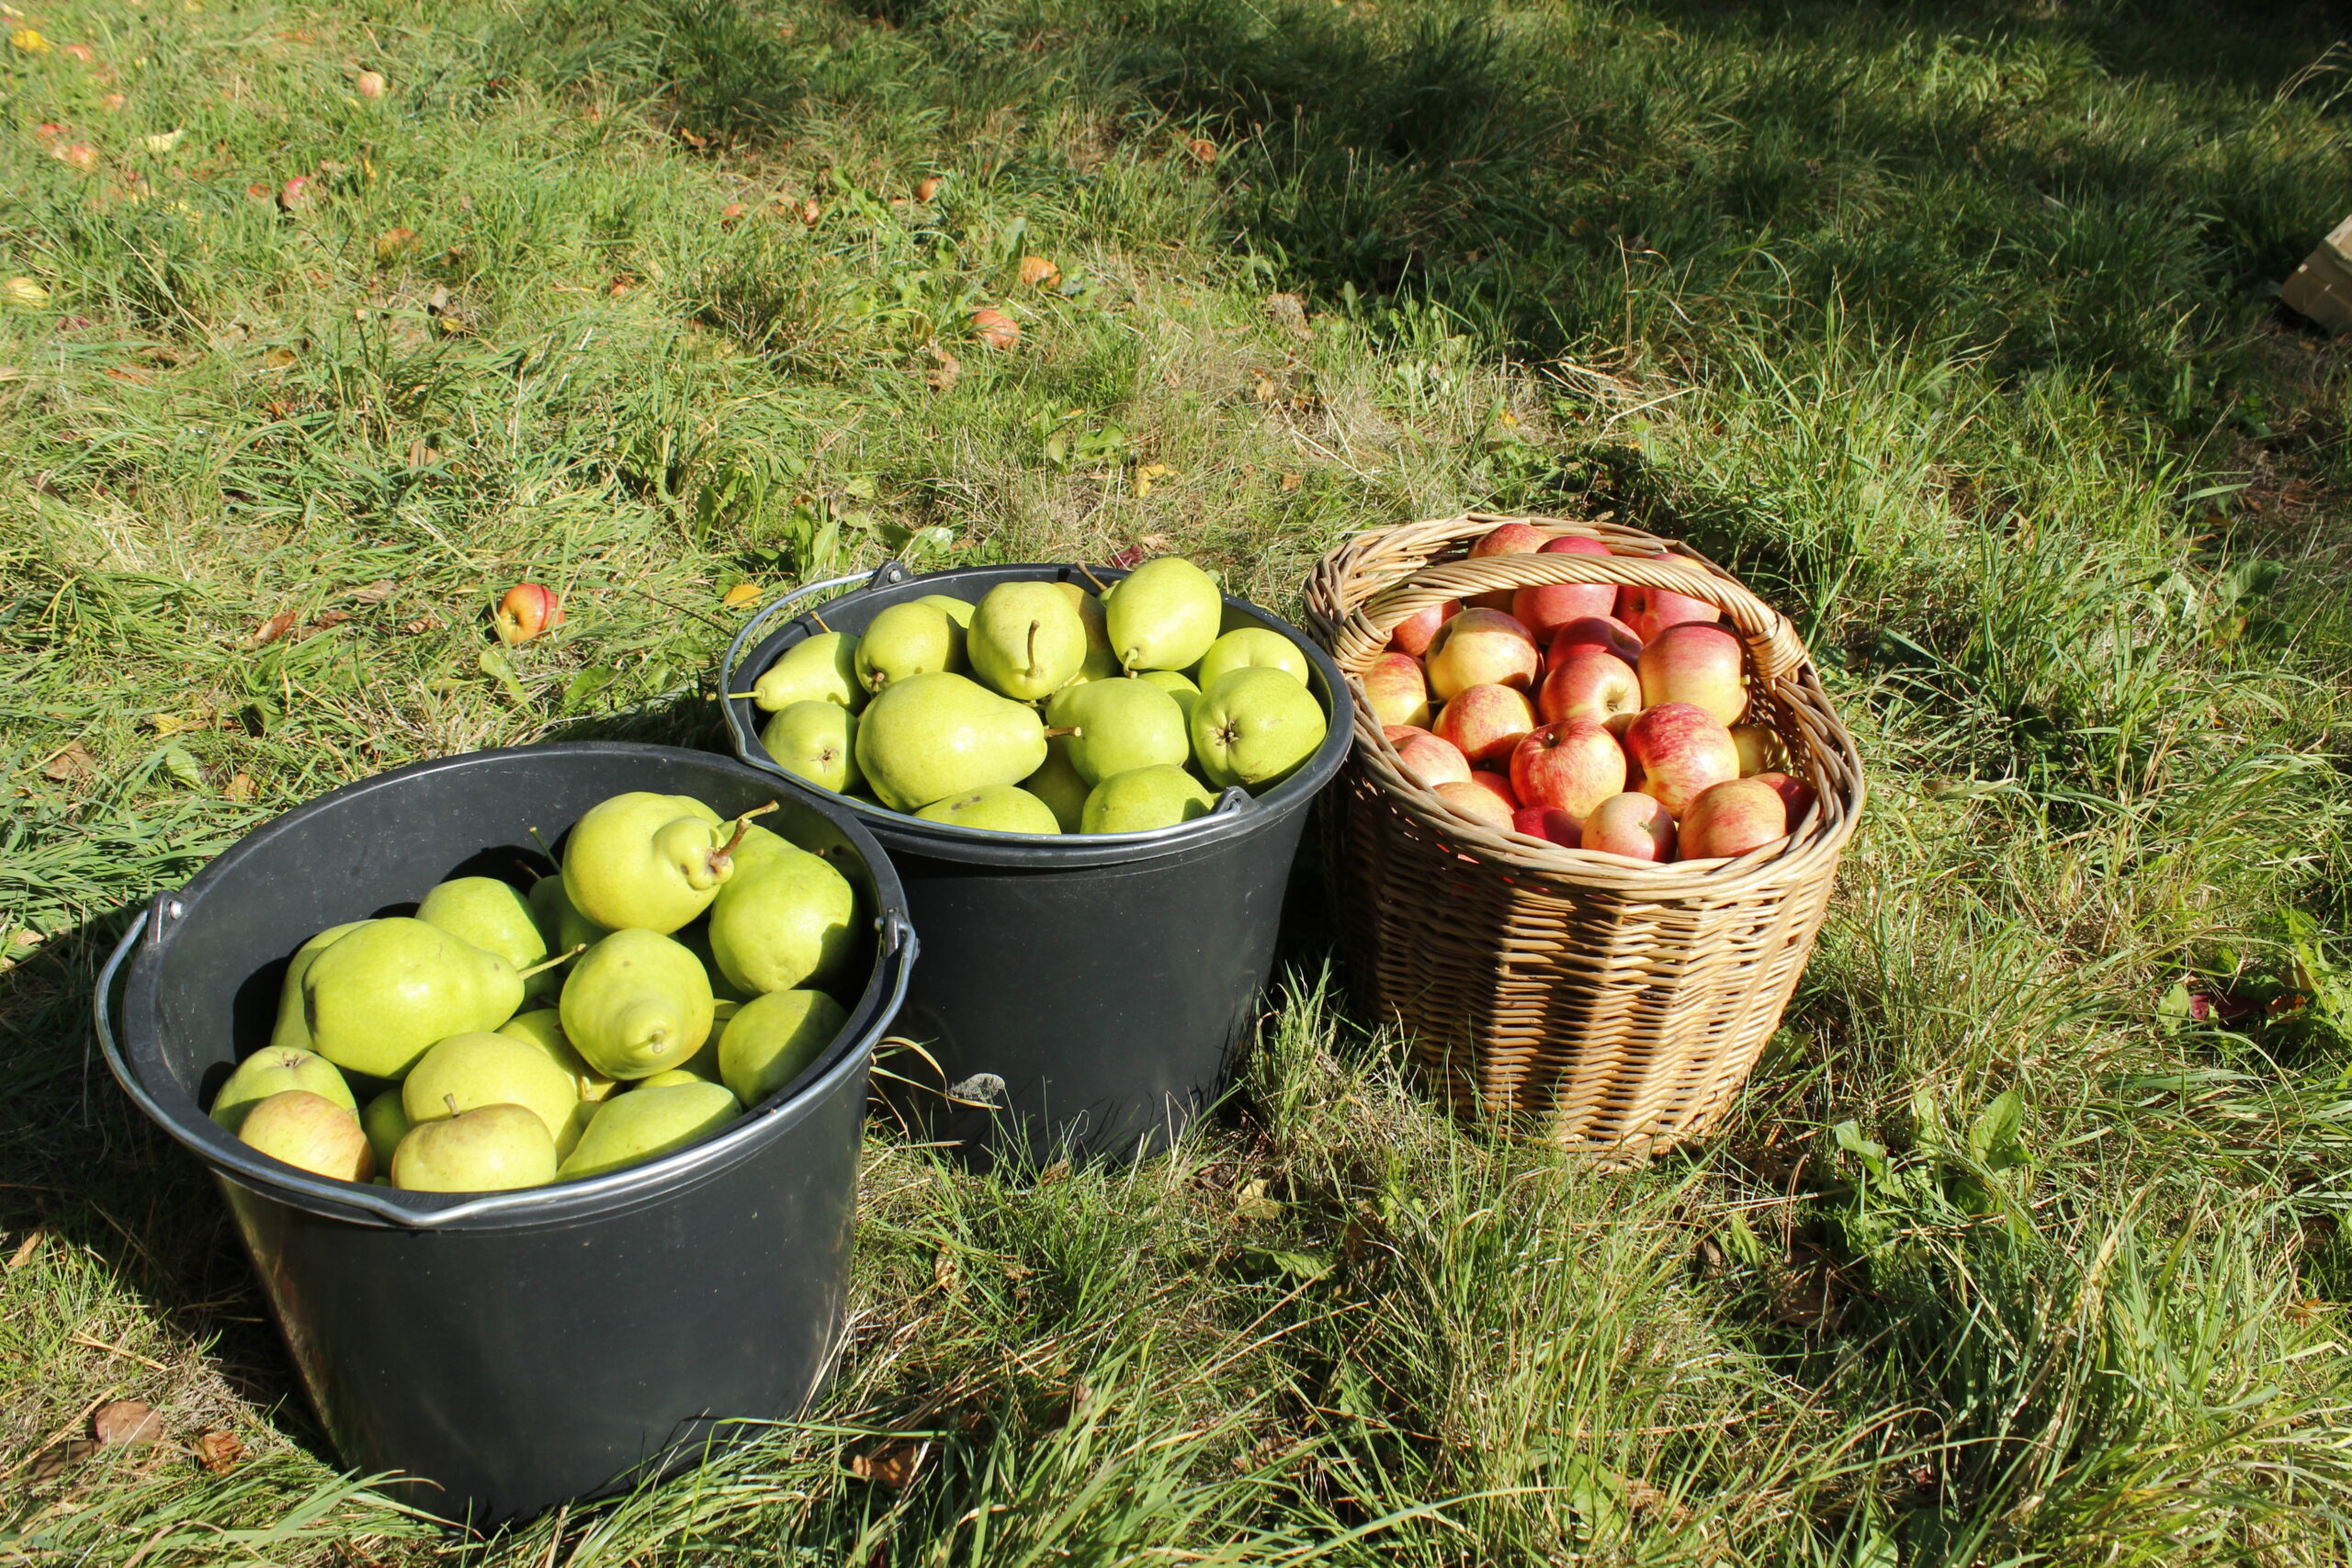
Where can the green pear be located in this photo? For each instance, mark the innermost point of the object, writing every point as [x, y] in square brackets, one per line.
[1058, 783]
[491, 1149]
[820, 669]
[695, 938]
[1251, 647]
[1100, 663]
[543, 1031]
[1164, 614]
[310, 1132]
[913, 638]
[1118, 725]
[382, 994]
[274, 1070]
[560, 921]
[817, 742]
[647, 1123]
[1145, 799]
[929, 737]
[293, 1031]
[788, 920]
[647, 861]
[674, 1077]
[1253, 727]
[1028, 640]
[492, 915]
[1176, 684]
[636, 1002]
[995, 809]
[470, 1070]
[956, 610]
[385, 1124]
[772, 1040]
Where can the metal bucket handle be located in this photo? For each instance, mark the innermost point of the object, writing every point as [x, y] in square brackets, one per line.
[897, 946]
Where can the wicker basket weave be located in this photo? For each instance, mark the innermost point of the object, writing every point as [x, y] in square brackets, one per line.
[1610, 1005]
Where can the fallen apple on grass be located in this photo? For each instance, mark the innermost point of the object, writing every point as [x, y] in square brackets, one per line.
[526, 611]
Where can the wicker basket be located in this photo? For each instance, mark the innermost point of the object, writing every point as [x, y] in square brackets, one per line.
[1610, 1005]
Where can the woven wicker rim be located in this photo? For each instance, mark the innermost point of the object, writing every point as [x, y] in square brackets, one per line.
[1785, 690]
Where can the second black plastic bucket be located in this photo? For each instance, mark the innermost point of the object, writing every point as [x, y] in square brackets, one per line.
[1083, 994]
[504, 1351]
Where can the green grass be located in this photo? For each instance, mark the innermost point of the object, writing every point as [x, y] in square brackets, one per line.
[1951, 327]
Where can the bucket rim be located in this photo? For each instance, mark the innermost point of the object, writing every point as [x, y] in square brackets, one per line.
[1237, 812]
[142, 947]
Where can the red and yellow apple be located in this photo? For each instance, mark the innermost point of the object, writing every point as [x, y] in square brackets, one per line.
[1428, 760]
[1759, 749]
[1697, 662]
[1650, 610]
[1574, 766]
[1795, 793]
[1606, 633]
[528, 609]
[1413, 633]
[1485, 722]
[1544, 608]
[1596, 687]
[1510, 539]
[1733, 817]
[1549, 822]
[1677, 750]
[1634, 826]
[1483, 797]
[1396, 689]
[1480, 648]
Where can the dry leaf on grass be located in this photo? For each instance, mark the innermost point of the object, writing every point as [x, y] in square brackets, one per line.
[74, 762]
[1036, 272]
[742, 595]
[219, 1451]
[240, 787]
[121, 1422]
[1290, 312]
[1290, 482]
[375, 592]
[270, 630]
[1202, 150]
[894, 1466]
[942, 376]
[55, 1460]
[25, 1249]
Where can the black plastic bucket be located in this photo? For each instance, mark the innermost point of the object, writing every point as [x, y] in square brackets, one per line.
[1083, 994]
[508, 1350]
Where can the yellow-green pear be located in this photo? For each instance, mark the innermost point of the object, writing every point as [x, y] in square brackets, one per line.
[380, 995]
[293, 1031]
[1118, 725]
[772, 1041]
[1164, 614]
[1028, 640]
[696, 941]
[385, 1124]
[310, 1132]
[1254, 728]
[636, 1003]
[470, 1070]
[788, 920]
[1058, 783]
[1100, 663]
[495, 917]
[543, 1031]
[1146, 798]
[1176, 684]
[560, 921]
[1248, 647]
[913, 638]
[274, 1070]
[644, 862]
[674, 1077]
[817, 668]
[817, 742]
[929, 737]
[647, 1123]
[491, 1149]
[995, 809]
[956, 610]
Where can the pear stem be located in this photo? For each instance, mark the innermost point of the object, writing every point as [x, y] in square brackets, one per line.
[549, 964]
[820, 623]
[1100, 587]
[742, 696]
[451, 1101]
[724, 857]
[1057, 734]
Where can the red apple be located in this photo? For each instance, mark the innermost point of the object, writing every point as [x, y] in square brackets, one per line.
[527, 610]
[1549, 822]
[1796, 796]
[1413, 633]
[1606, 633]
[1398, 734]
[1546, 607]
[1480, 648]
[1677, 750]
[1477, 799]
[1733, 817]
[1428, 760]
[1510, 540]
[1596, 687]
[1397, 691]
[1634, 826]
[1656, 609]
[1485, 722]
[1759, 749]
[1697, 662]
[1574, 766]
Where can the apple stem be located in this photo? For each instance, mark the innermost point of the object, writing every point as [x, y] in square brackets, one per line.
[720, 860]
[551, 963]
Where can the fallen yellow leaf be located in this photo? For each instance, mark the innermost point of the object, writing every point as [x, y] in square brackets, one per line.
[742, 594]
[28, 42]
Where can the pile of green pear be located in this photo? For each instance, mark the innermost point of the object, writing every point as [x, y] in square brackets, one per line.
[1044, 708]
[679, 970]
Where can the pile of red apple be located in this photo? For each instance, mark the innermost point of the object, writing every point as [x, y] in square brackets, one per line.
[1590, 716]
